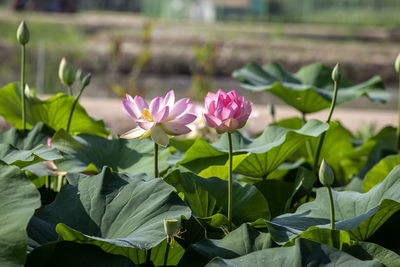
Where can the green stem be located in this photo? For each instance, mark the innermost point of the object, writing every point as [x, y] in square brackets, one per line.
[155, 160]
[398, 126]
[148, 256]
[73, 107]
[69, 90]
[23, 86]
[230, 183]
[321, 140]
[166, 252]
[332, 208]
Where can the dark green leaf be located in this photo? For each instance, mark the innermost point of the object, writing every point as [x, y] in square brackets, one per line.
[310, 89]
[380, 171]
[119, 213]
[54, 112]
[371, 251]
[262, 155]
[66, 254]
[360, 214]
[240, 242]
[303, 253]
[91, 153]
[18, 201]
[209, 196]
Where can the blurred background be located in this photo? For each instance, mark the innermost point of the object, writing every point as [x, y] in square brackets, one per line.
[192, 46]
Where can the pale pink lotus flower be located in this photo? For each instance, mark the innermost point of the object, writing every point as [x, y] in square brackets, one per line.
[226, 112]
[161, 118]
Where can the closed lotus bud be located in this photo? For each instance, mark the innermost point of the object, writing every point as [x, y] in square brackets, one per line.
[336, 73]
[23, 33]
[86, 80]
[66, 72]
[326, 176]
[171, 227]
[397, 63]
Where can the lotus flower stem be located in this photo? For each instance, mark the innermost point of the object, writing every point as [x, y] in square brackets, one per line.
[23, 85]
[155, 160]
[85, 83]
[335, 78]
[332, 207]
[166, 253]
[398, 126]
[230, 183]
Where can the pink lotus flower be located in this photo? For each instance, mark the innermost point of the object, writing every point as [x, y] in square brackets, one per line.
[226, 111]
[161, 118]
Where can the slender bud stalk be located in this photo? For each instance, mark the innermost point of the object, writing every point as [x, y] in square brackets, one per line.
[331, 207]
[23, 86]
[230, 178]
[336, 75]
[155, 160]
[398, 125]
[83, 86]
[23, 39]
[148, 257]
[166, 253]
[397, 68]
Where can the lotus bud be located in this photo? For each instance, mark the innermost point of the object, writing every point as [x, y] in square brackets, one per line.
[336, 73]
[397, 63]
[171, 227]
[326, 176]
[23, 33]
[86, 80]
[66, 72]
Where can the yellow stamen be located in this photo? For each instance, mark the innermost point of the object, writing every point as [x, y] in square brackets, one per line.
[146, 114]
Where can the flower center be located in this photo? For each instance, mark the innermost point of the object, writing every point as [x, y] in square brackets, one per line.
[146, 114]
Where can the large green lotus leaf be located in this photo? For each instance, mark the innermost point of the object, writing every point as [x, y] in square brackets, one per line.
[239, 242]
[264, 154]
[138, 256]
[54, 112]
[360, 214]
[119, 213]
[27, 140]
[382, 146]
[303, 253]
[66, 254]
[90, 153]
[209, 196]
[23, 158]
[18, 201]
[372, 251]
[310, 89]
[380, 170]
[24, 149]
[277, 193]
[335, 238]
